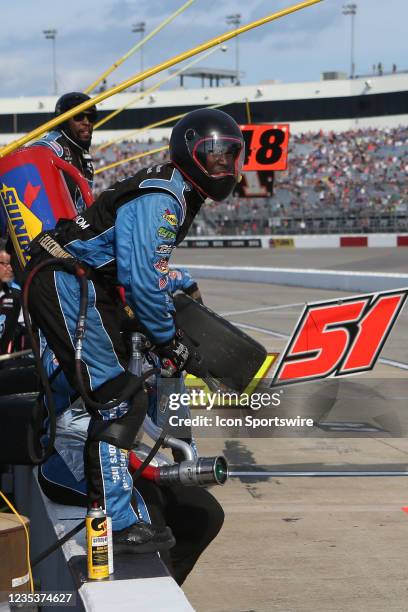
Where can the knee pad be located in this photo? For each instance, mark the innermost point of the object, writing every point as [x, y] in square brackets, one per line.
[121, 432]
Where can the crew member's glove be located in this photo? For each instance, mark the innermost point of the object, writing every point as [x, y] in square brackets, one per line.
[174, 356]
[194, 292]
[181, 354]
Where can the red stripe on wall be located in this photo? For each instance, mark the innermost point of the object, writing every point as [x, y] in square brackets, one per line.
[402, 240]
[353, 241]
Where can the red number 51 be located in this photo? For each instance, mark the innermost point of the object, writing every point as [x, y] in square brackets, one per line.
[339, 337]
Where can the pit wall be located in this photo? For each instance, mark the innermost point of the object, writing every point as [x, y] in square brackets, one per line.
[316, 241]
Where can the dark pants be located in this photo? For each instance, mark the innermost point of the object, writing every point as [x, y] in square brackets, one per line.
[54, 306]
[194, 515]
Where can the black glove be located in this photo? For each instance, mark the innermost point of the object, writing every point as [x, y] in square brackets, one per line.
[174, 356]
[181, 354]
[194, 292]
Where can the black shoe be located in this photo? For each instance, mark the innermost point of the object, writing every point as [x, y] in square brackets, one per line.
[141, 537]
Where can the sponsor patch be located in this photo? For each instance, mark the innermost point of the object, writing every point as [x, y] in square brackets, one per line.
[2, 324]
[68, 154]
[81, 222]
[163, 232]
[55, 146]
[162, 266]
[164, 249]
[163, 282]
[170, 218]
[7, 303]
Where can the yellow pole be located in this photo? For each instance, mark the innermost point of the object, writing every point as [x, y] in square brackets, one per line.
[150, 72]
[151, 89]
[154, 125]
[148, 127]
[120, 61]
[105, 145]
[138, 156]
[248, 111]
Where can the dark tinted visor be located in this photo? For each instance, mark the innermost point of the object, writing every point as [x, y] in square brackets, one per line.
[219, 156]
[91, 115]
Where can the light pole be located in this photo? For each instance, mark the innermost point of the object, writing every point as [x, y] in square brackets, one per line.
[235, 20]
[51, 35]
[140, 28]
[351, 9]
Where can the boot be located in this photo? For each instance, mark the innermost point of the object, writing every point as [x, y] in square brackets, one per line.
[141, 537]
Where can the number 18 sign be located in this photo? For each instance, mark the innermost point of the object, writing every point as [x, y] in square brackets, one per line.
[266, 146]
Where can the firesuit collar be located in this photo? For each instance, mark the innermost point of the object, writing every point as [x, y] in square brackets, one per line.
[80, 145]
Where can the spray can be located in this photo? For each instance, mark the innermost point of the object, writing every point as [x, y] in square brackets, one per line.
[97, 544]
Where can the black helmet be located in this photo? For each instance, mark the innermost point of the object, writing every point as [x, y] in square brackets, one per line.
[68, 101]
[208, 148]
[71, 99]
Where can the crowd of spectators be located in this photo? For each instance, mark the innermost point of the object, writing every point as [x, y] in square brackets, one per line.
[106, 155]
[349, 181]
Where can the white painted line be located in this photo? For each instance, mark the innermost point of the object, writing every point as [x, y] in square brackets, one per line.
[395, 364]
[326, 474]
[299, 270]
[261, 329]
[269, 332]
[263, 309]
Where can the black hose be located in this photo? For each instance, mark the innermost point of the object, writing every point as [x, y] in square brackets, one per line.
[131, 388]
[50, 405]
[129, 391]
[57, 544]
[73, 267]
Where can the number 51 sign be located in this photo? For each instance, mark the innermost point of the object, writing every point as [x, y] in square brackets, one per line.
[339, 337]
[266, 147]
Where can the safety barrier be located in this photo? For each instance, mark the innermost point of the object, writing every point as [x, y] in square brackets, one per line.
[343, 280]
[316, 241]
[140, 581]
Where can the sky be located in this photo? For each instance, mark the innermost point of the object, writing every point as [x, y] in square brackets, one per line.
[92, 34]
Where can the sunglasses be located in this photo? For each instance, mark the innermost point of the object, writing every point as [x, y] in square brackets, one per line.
[90, 115]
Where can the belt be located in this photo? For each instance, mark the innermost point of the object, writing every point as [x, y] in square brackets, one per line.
[51, 246]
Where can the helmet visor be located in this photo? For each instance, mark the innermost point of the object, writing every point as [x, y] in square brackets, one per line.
[91, 115]
[219, 156]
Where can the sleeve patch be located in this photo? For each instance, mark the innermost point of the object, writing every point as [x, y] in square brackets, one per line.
[162, 266]
[164, 249]
[163, 282]
[170, 218]
[163, 232]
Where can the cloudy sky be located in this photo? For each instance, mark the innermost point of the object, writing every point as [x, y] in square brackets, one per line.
[92, 34]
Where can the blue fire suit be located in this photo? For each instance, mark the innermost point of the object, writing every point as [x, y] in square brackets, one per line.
[126, 237]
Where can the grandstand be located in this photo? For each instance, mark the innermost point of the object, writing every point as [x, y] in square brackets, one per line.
[348, 182]
[347, 151]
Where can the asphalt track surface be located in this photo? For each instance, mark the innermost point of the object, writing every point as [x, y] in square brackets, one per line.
[297, 544]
